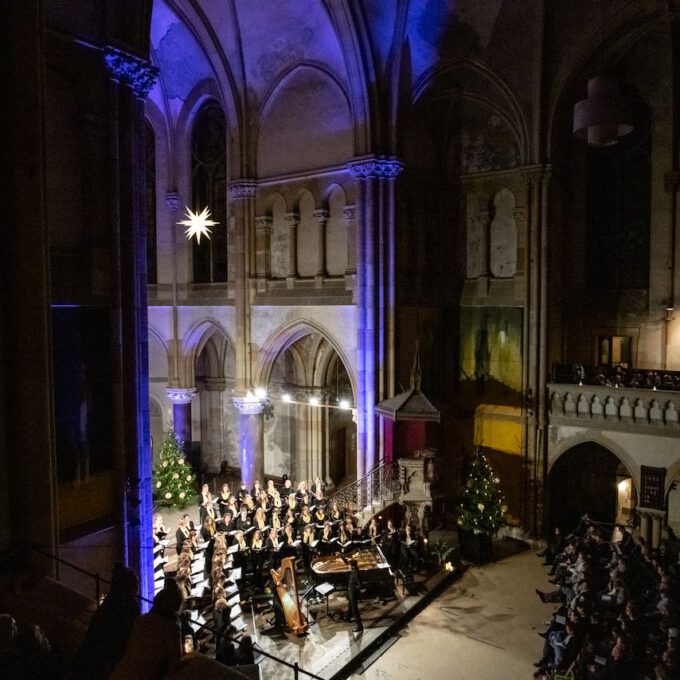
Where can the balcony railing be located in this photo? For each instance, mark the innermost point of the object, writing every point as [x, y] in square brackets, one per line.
[607, 405]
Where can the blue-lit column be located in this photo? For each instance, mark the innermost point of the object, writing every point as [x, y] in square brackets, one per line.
[181, 398]
[251, 438]
[132, 79]
[375, 299]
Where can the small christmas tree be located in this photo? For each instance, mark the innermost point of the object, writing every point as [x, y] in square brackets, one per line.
[174, 483]
[482, 509]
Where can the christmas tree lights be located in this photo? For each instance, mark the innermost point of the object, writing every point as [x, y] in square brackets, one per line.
[174, 483]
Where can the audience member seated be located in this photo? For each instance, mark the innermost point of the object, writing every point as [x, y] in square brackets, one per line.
[618, 609]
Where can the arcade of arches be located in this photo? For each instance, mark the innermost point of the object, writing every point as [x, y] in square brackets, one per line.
[381, 173]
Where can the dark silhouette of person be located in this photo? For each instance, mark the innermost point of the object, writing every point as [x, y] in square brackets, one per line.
[110, 628]
[354, 588]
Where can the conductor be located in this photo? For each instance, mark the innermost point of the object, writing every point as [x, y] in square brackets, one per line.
[354, 588]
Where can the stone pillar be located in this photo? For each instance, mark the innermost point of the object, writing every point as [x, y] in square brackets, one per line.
[535, 348]
[251, 438]
[645, 529]
[263, 240]
[28, 478]
[132, 79]
[212, 416]
[349, 213]
[172, 203]
[375, 255]
[657, 522]
[181, 398]
[292, 221]
[242, 196]
[321, 217]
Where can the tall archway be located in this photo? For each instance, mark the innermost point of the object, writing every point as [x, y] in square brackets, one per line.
[589, 479]
[312, 431]
[214, 371]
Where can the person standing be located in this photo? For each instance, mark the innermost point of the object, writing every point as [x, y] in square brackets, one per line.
[354, 589]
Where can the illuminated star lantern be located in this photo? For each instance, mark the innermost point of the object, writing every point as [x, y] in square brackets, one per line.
[198, 224]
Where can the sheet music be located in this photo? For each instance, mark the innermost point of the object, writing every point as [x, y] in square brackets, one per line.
[239, 624]
[324, 588]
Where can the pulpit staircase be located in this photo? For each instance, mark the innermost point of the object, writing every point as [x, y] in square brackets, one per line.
[370, 495]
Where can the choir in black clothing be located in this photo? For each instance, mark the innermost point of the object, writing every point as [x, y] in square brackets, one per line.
[254, 529]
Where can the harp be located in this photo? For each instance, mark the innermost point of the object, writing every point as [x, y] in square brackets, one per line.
[286, 586]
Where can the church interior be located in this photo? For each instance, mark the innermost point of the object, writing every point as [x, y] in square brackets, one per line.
[436, 228]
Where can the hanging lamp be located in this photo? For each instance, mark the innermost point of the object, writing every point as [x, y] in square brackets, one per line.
[605, 115]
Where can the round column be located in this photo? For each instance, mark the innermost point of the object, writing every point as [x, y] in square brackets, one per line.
[181, 398]
[292, 220]
[251, 438]
[321, 217]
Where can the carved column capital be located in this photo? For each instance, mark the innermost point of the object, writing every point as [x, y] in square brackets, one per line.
[536, 174]
[249, 405]
[130, 70]
[181, 395]
[349, 212]
[671, 181]
[380, 168]
[172, 201]
[242, 189]
[321, 216]
[215, 384]
[292, 219]
[263, 223]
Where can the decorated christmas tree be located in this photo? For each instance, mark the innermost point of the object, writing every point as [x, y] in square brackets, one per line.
[173, 480]
[482, 509]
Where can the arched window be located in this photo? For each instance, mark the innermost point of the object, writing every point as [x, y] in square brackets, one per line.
[150, 202]
[209, 188]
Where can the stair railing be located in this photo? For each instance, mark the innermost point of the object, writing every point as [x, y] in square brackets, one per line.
[378, 484]
[297, 671]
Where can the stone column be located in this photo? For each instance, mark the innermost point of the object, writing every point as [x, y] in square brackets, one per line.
[375, 255]
[657, 522]
[251, 438]
[645, 528]
[292, 221]
[172, 203]
[132, 79]
[263, 240]
[212, 415]
[242, 196]
[181, 398]
[28, 478]
[349, 213]
[535, 353]
[321, 217]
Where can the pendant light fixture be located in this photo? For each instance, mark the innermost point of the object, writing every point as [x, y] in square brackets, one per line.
[606, 114]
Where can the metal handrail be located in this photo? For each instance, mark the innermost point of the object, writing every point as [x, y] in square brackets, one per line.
[376, 484]
[99, 581]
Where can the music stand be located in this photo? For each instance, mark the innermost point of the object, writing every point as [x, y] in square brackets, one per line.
[325, 589]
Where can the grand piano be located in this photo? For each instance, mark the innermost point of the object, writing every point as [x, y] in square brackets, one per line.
[374, 571]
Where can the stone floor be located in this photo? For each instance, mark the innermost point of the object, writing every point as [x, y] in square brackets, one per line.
[330, 642]
[483, 627]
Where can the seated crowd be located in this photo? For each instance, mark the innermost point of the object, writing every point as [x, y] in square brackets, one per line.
[618, 614]
[25, 652]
